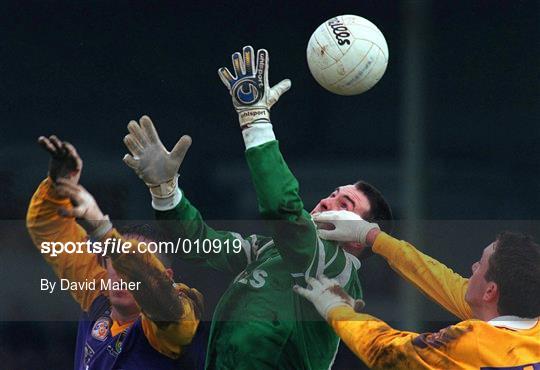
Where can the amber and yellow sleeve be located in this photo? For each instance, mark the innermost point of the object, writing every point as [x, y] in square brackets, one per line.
[433, 278]
[45, 225]
[380, 346]
[170, 314]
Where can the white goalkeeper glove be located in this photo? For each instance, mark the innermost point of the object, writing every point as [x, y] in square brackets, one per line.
[326, 294]
[348, 226]
[151, 161]
[251, 93]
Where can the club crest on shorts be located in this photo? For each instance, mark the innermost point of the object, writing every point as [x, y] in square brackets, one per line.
[100, 330]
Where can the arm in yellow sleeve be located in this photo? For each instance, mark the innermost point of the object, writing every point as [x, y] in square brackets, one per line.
[45, 225]
[381, 347]
[170, 312]
[433, 278]
[170, 338]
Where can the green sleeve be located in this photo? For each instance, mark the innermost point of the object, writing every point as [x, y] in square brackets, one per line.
[185, 222]
[293, 230]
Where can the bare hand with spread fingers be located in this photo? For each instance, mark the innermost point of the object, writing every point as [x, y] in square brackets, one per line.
[65, 169]
[65, 161]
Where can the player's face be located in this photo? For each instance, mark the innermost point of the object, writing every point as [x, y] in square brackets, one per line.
[477, 282]
[344, 198]
[122, 300]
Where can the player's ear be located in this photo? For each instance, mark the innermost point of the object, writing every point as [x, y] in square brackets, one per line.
[492, 292]
[170, 273]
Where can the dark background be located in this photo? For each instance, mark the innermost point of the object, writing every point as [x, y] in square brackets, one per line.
[451, 132]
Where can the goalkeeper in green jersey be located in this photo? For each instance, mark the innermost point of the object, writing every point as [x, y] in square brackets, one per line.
[259, 323]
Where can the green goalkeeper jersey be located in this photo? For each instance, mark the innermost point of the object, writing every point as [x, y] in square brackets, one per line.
[259, 322]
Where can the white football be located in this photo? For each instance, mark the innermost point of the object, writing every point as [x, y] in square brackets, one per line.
[347, 55]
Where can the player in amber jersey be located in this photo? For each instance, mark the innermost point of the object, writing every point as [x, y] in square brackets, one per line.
[499, 303]
[151, 327]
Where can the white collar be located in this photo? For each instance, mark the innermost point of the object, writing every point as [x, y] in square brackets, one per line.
[513, 322]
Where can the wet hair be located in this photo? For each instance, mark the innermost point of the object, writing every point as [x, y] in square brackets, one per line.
[515, 267]
[380, 211]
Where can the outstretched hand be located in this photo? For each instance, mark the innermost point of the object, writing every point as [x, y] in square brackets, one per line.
[65, 169]
[84, 204]
[250, 90]
[345, 226]
[149, 158]
[85, 208]
[65, 162]
[326, 294]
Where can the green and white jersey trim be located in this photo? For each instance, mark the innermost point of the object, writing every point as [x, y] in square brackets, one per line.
[318, 265]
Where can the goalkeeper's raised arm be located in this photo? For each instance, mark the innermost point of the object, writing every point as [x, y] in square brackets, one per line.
[277, 189]
[159, 168]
